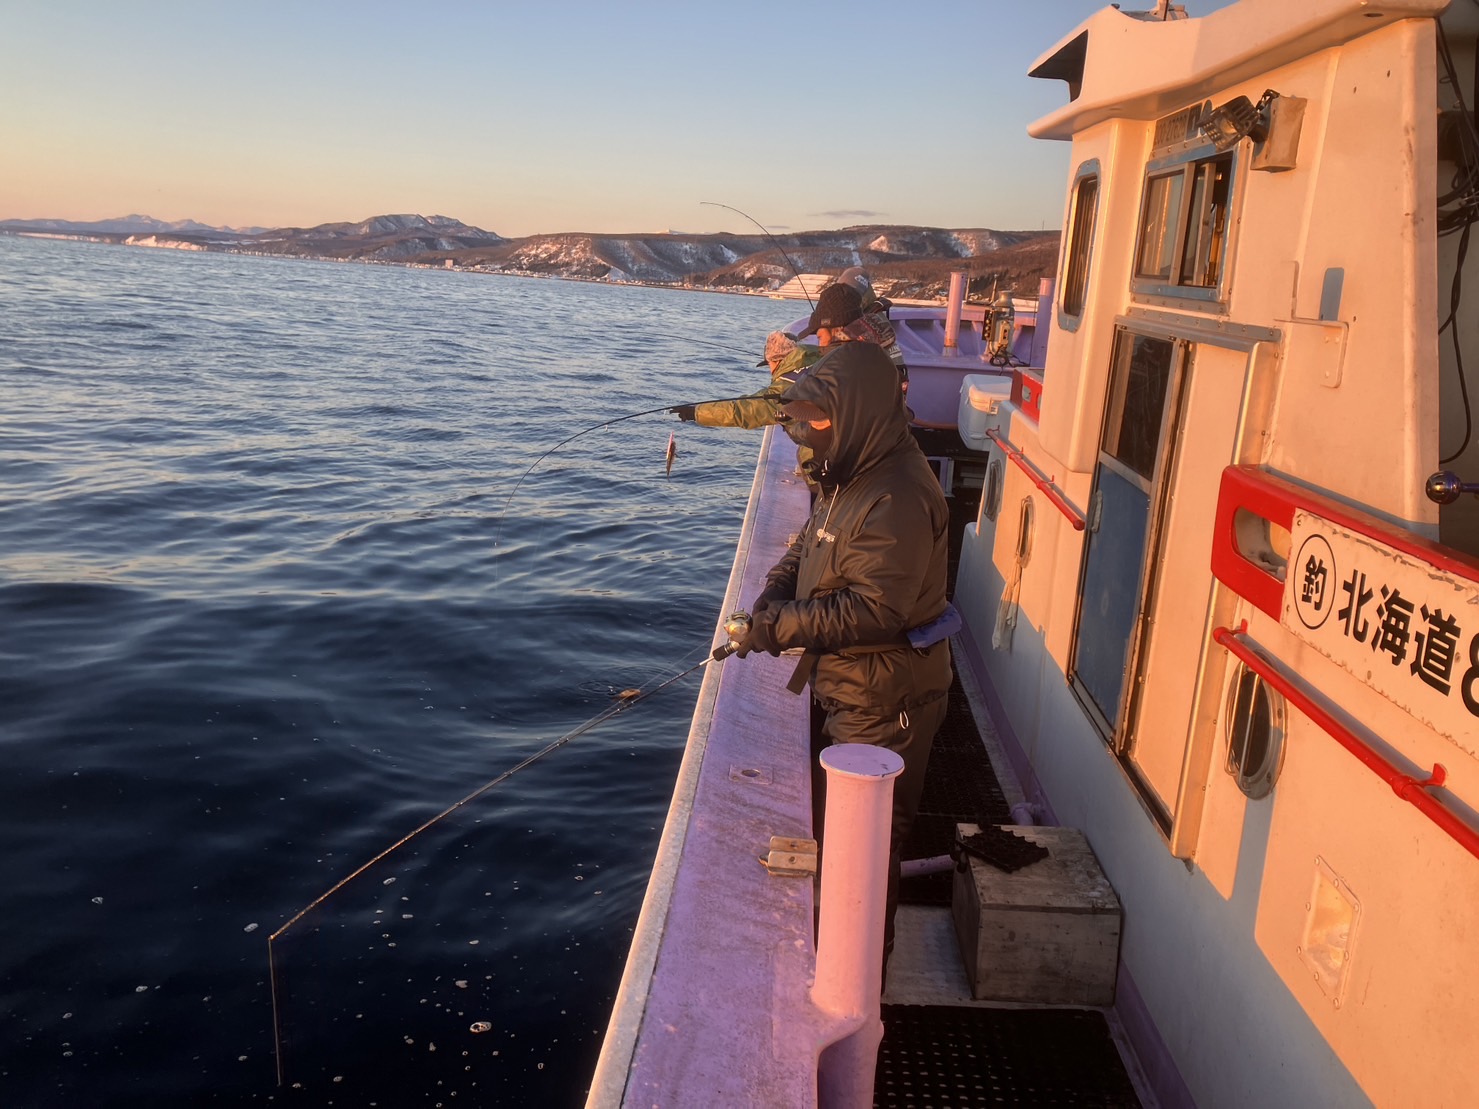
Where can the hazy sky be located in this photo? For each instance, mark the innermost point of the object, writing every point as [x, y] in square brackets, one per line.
[527, 117]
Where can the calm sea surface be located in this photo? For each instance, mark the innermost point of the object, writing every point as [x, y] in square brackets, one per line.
[260, 618]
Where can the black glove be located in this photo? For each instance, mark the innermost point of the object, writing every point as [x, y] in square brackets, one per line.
[684, 412]
[760, 637]
[771, 595]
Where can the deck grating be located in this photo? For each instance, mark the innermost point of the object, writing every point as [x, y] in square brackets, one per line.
[963, 786]
[944, 1055]
[960, 787]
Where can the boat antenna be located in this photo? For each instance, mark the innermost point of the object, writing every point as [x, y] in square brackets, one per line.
[774, 240]
[625, 700]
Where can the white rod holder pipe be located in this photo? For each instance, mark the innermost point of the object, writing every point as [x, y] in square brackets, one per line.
[954, 304]
[849, 969]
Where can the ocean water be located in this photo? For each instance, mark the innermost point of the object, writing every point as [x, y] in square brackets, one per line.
[263, 613]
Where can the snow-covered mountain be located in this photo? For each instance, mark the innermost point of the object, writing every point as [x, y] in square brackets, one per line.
[903, 260]
[122, 225]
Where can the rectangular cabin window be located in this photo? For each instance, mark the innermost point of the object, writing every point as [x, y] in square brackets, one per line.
[1080, 243]
[1158, 219]
[1186, 222]
[1206, 214]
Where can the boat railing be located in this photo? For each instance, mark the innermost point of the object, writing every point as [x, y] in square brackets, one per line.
[1411, 789]
[1045, 483]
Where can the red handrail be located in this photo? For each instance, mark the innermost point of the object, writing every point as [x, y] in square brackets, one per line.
[1410, 789]
[1075, 517]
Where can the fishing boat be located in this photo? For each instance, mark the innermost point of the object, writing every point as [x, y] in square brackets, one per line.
[1219, 574]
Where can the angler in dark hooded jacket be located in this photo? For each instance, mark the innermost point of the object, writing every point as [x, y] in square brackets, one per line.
[869, 566]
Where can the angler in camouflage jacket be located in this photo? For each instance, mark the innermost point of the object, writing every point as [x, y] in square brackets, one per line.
[786, 361]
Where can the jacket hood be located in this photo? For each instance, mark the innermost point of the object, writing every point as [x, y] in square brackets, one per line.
[857, 386]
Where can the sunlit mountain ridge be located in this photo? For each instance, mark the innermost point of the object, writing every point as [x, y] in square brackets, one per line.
[905, 261]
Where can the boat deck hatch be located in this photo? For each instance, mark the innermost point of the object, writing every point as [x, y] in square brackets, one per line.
[939, 1055]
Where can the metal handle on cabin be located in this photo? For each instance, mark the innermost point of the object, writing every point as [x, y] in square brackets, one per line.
[1445, 487]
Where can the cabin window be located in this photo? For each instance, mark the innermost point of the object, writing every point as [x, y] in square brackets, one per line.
[1206, 214]
[1132, 424]
[1080, 243]
[1137, 437]
[1182, 249]
[1158, 218]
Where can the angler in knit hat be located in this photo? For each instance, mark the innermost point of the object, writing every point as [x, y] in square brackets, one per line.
[837, 306]
[873, 325]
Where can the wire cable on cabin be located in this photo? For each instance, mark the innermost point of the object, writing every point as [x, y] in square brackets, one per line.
[1457, 210]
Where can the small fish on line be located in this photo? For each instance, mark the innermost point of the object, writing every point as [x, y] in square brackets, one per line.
[672, 452]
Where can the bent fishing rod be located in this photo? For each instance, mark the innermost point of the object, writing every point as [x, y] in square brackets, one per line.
[774, 240]
[586, 431]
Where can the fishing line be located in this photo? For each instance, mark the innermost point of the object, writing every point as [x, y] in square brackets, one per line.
[626, 700]
[498, 525]
[718, 346]
[570, 439]
[773, 239]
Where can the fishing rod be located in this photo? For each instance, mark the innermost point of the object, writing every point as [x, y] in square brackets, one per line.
[498, 525]
[625, 700]
[718, 346]
[570, 439]
[773, 239]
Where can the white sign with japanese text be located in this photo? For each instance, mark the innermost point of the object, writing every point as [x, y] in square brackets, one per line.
[1405, 627]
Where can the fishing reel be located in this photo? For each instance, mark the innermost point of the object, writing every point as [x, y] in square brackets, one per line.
[736, 626]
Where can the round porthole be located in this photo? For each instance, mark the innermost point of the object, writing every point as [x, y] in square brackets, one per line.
[991, 502]
[1255, 733]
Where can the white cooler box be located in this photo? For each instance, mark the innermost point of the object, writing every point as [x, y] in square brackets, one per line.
[981, 398]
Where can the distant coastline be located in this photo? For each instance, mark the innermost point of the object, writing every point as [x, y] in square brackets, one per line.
[906, 263]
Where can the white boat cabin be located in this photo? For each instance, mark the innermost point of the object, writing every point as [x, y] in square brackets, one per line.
[1231, 634]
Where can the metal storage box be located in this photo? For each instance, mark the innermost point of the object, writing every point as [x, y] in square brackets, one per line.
[1048, 933]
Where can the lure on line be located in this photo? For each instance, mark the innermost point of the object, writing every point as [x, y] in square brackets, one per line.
[672, 452]
[672, 446]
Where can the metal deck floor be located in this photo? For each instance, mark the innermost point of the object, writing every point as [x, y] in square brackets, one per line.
[943, 1048]
[941, 1055]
